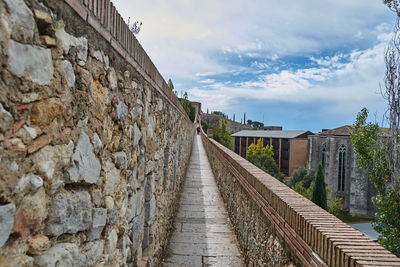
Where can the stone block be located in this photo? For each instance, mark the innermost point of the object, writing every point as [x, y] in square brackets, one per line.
[51, 159]
[21, 18]
[149, 188]
[42, 17]
[112, 216]
[137, 135]
[6, 222]
[62, 254]
[6, 119]
[91, 253]
[30, 214]
[68, 72]
[112, 177]
[44, 112]
[120, 160]
[134, 205]
[48, 41]
[33, 62]
[86, 166]
[38, 244]
[150, 211]
[67, 41]
[70, 212]
[40, 142]
[111, 242]
[137, 228]
[121, 109]
[150, 166]
[20, 260]
[97, 143]
[145, 241]
[29, 181]
[99, 221]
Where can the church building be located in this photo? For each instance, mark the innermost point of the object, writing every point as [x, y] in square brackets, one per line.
[346, 180]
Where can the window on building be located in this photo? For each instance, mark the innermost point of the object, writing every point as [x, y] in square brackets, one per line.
[342, 167]
[323, 155]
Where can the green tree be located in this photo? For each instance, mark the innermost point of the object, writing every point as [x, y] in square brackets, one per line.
[319, 189]
[256, 124]
[302, 190]
[170, 85]
[187, 106]
[393, 5]
[378, 154]
[262, 157]
[302, 175]
[222, 135]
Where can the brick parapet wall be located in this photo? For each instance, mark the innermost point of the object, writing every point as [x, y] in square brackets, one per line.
[106, 20]
[311, 236]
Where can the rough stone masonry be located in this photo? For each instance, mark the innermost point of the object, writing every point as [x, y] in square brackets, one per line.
[92, 154]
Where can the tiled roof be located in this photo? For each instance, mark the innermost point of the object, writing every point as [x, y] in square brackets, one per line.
[343, 130]
[347, 129]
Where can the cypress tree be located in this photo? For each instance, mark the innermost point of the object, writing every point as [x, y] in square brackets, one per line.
[319, 189]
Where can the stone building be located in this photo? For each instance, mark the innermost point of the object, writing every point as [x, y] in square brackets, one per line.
[290, 147]
[336, 153]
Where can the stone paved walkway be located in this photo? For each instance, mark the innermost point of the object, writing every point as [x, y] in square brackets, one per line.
[203, 235]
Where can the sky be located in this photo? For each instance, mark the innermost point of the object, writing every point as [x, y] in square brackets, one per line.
[303, 65]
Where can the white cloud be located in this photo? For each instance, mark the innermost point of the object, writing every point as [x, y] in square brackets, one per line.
[350, 81]
[207, 81]
[194, 42]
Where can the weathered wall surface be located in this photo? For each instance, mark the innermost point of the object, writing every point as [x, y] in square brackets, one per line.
[93, 148]
[275, 226]
[358, 193]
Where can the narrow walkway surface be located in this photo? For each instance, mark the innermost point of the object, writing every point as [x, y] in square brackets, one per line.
[203, 236]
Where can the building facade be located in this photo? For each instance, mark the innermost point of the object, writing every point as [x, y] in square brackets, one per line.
[333, 149]
[290, 147]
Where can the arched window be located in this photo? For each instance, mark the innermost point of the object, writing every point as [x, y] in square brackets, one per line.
[323, 155]
[342, 168]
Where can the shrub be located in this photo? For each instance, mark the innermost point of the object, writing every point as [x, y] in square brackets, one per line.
[262, 157]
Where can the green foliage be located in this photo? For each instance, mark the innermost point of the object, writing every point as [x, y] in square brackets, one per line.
[387, 222]
[302, 174]
[220, 113]
[205, 126]
[369, 148]
[393, 5]
[222, 135]
[262, 157]
[319, 189]
[335, 206]
[305, 192]
[373, 152]
[259, 149]
[170, 85]
[190, 110]
[256, 124]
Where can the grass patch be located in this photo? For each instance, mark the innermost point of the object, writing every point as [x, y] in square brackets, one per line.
[347, 218]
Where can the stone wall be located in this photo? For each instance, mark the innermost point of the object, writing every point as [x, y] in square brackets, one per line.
[275, 226]
[93, 145]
